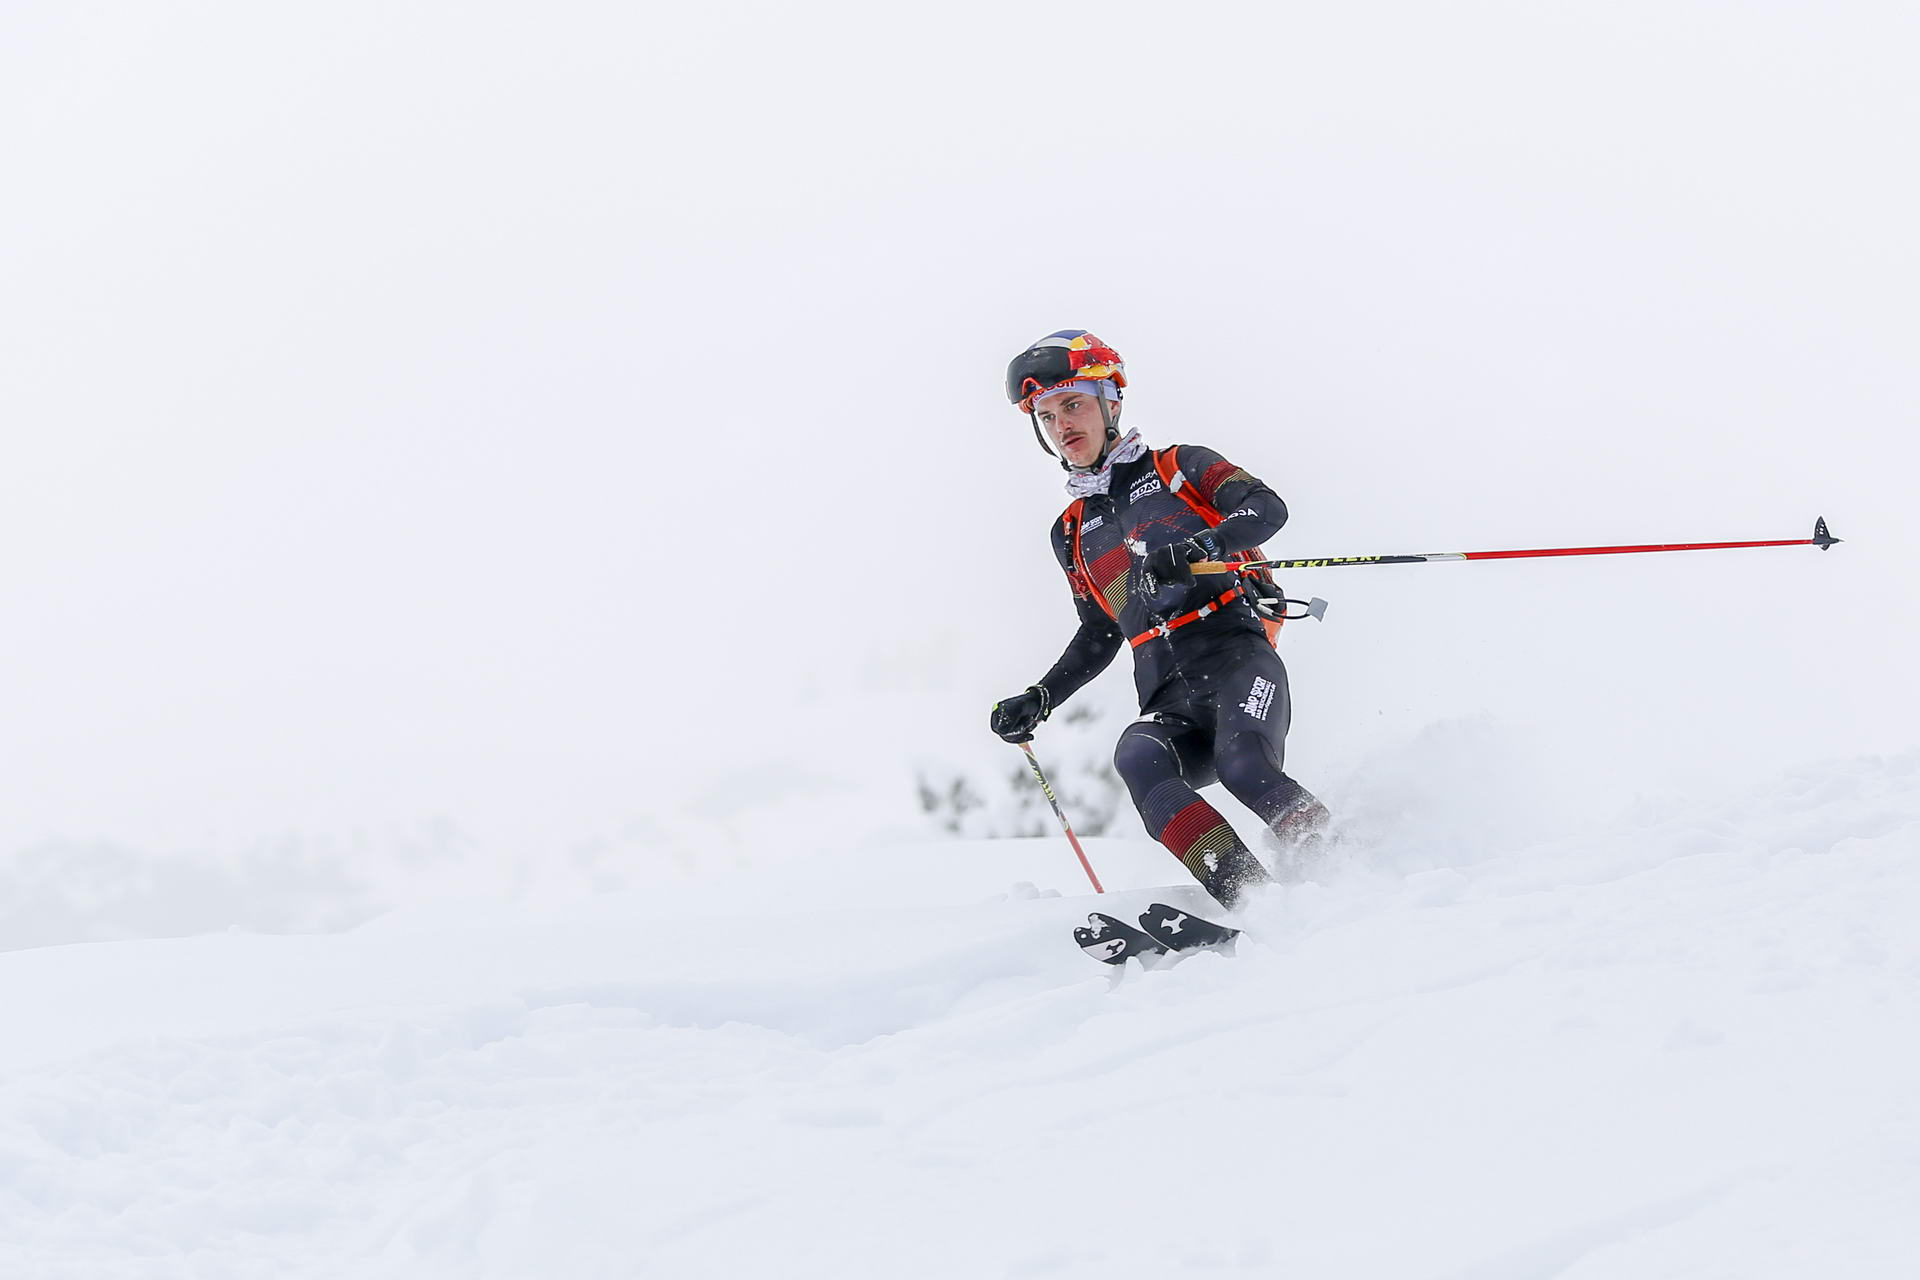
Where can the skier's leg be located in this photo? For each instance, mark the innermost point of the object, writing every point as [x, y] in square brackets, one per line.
[1253, 711]
[1161, 759]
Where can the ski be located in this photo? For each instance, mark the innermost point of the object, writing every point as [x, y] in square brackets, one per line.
[1176, 930]
[1163, 930]
[1112, 941]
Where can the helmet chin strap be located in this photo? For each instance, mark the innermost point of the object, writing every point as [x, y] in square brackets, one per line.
[1113, 432]
[1033, 416]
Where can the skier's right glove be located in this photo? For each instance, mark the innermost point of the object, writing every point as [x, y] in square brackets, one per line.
[1015, 718]
[1174, 564]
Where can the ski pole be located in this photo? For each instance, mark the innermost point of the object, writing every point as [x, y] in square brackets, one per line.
[1065, 826]
[1821, 539]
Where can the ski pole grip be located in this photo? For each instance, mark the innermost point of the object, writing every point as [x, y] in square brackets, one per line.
[1211, 566]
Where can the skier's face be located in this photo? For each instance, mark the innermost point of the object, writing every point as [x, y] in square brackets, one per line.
[1072, 421]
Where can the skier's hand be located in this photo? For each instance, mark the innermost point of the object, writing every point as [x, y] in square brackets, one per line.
[1015, 718]
[1173, 565]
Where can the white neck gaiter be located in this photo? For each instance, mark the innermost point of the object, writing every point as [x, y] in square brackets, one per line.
[1084, 483]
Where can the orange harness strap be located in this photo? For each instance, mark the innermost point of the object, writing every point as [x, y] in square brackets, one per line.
[1070, 518]
[1167, 462]
[1173, 624]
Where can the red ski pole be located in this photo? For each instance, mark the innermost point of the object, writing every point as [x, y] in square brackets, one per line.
[1065, 826]
[1821, 539]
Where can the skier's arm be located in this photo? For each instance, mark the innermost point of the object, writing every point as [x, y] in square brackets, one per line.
[1087, 654]
[1093, 645]
[1253, 512]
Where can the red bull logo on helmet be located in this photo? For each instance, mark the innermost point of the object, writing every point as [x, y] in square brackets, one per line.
[1087, 355]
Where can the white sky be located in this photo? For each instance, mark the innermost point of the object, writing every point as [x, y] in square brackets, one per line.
[458, 411]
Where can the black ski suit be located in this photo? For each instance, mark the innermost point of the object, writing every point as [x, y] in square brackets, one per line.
[1213, 693]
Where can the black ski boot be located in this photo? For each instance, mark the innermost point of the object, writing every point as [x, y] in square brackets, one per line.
[1301, 840]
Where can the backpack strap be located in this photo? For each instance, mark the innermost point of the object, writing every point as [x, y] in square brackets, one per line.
[1070, 522]
[1219, 602]
[1167, 462]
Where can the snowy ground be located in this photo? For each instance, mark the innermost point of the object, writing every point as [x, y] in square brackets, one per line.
[1680, 1046]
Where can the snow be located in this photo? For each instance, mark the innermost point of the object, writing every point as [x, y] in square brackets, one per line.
[1677, 1046]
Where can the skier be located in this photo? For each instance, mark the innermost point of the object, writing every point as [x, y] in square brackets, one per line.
[1213, 693]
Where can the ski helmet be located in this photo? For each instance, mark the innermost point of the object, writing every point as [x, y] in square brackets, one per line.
[1057, 360]
[1071, 355]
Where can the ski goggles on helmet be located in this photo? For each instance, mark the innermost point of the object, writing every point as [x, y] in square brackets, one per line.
[1054, 362]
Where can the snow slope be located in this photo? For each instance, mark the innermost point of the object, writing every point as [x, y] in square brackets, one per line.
[1681, 1045]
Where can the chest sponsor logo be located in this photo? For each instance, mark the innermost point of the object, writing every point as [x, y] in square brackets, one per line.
[1259, 698]
[1150, 485]
[1094, 523]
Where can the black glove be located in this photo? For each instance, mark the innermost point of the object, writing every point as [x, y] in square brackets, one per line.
[1015, 718]
[1173, 565]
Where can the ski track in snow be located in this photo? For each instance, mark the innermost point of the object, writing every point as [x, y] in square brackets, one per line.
[1680, 1047]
